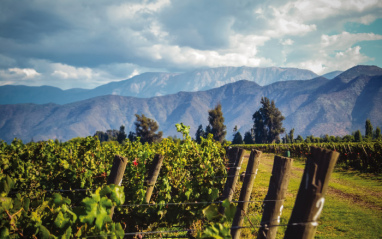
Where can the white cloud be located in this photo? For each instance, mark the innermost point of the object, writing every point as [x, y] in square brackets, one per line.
[345, 40]
[341, 60]
[87, 44]
[25, 73]
[287, 42]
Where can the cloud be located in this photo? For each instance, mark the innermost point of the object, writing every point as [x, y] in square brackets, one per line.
[341, 60]
[71, 43]
[345, 40]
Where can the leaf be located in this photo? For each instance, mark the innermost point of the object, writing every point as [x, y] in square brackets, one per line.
[117, 194]
[229, 209]
[188, 193]
[4, 233]
[5, 204]
[211, 212]
[214, 194]
[60, 221]
[90, 210]
[44, 232]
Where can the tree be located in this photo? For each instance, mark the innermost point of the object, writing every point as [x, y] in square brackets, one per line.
[299, 139]
[378, 133]
[368, 130]
[358, 136]
[291, 135]
[216, 120]
[132, 137]
[145, 128]
[248, 138]
[238, 139]
[267, 122]
[121, 136]
[199, 134]
[348, 138]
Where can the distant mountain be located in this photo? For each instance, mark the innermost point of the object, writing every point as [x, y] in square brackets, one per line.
[149, 85]
[332, 74]
[318, 106]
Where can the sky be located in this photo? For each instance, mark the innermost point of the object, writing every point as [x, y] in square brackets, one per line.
[84, 44]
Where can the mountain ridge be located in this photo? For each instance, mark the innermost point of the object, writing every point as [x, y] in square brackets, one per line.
[308, 106]
[152, 84]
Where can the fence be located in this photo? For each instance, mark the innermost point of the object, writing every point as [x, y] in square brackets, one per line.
[309, 202]
[308, 206]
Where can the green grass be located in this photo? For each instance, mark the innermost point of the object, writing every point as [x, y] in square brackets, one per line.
[353, 202]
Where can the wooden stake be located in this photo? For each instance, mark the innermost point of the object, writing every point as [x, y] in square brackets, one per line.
[153, 175]
[311, 194]
[116, 173]
[245, 193]
[274, 200]
[235, 156]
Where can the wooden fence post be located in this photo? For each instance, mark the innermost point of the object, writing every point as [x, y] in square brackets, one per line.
[311, 194]
[274, 200]
[235, 156]
[153, 175]
[116, 173]
[245, 193]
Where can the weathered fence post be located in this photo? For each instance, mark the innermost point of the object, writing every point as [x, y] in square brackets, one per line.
[274, 200]
[116, 173]
[311, 194]
[245, 193]
[235, 156]
[153, 175]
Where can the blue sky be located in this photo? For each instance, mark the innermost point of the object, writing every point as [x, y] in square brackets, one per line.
[83, 44]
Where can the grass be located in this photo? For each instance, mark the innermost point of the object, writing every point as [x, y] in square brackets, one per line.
[353, 202]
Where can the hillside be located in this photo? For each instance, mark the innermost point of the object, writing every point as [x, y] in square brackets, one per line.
[318, 106]
[149, 85]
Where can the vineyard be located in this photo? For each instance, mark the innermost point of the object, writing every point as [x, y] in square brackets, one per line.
[60, 190]
[50, 189]
[364, 156]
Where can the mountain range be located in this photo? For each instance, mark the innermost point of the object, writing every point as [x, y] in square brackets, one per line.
[317, 106]
[149, 85]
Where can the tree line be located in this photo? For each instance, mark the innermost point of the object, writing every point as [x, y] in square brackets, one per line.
[267, 128]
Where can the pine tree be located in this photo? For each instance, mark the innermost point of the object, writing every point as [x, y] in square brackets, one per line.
[238, 139]
[291, 135]
[358, 136]
[248, 138]
[267, 122]
[216, 120]
[378, 134]
[199, 134]
[368, 130]
[121, 134]
[145, 128]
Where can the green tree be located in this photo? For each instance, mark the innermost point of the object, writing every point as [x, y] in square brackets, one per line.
[248, 139]
[267, 122]
[358, 136]
[368, 130]
[145, 128]
[299, 139]
[348, 138]
[291, 135]
[132, 137]
[237, 139]
[216, 120]
[199, 134]
[378, 133]
[121, 134]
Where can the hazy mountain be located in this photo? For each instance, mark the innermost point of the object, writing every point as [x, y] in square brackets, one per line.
[149, 85]
[332, 74]
[318, 106]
